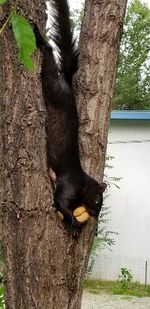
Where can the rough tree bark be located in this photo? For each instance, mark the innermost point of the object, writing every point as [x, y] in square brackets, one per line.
[44, 262]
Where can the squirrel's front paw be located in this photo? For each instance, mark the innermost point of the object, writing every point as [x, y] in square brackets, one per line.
[60, 216]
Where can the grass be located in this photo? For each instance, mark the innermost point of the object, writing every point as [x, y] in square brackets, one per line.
[115, 287]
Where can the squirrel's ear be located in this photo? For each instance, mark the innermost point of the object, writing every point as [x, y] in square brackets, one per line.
[102, 186]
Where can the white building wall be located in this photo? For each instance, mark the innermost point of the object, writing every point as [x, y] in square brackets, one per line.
[129, 143]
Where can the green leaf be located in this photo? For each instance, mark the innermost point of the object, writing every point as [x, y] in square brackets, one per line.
[25, 40]
[2, 1]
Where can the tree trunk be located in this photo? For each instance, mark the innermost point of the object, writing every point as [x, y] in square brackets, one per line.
[45, 262]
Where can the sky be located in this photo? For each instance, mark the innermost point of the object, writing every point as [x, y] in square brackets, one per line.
[77, 3]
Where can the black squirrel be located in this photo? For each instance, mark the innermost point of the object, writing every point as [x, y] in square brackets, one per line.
[73, 186]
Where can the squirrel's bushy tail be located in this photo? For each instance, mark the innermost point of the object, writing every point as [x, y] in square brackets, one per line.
[62, 36]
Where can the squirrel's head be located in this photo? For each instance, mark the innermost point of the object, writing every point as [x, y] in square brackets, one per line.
[93, 196]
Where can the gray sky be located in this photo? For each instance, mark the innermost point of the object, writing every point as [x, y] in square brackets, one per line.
[77, 3]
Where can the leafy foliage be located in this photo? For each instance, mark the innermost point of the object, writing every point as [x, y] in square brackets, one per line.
[24, 35]
[125, 277]
[2, 304]
[25, 40]
[1, 276]
[132, 89]
[2, 1]
[77, 17]
[2, 290]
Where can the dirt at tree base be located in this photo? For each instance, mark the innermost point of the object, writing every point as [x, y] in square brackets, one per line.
[105, 301]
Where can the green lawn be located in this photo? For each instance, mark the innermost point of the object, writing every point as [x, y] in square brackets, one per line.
[115, 287]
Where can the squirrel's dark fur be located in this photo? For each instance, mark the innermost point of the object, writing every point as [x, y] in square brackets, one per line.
[73, 186]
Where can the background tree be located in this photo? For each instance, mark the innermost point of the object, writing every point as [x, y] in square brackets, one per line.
[45, 263]
[132, 88]
[77, 17]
